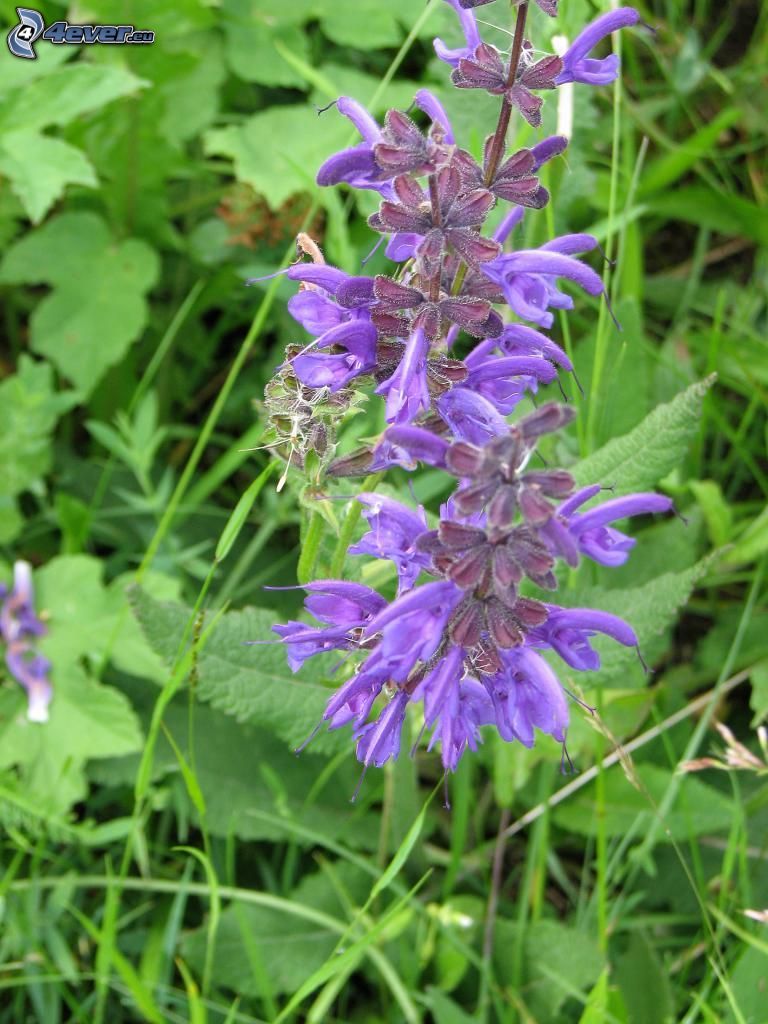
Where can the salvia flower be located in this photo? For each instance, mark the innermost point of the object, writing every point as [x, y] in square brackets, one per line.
[469, 641]
[467, 645]
[20, 626]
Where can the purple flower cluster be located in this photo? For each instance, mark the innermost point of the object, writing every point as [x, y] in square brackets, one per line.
[468, 643]
[463, 637]
[19, 628]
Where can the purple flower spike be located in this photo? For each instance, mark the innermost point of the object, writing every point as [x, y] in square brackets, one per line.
[31, 670]
[471, 36]
[578, 67]
[355, 165]
[600, 542]
[570, 534]
[393, 534]
[568, 630]
[504, 381]
[406, 390]
[343, 608]
[379, 741]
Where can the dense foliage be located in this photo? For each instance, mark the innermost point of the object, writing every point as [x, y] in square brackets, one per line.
[165, 856]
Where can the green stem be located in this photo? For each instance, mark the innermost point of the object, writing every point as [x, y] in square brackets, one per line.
[348, 527]
[310, 548]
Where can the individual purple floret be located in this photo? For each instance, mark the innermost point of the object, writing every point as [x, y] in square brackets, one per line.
[578, 67]
[394, 529]
[19, 626]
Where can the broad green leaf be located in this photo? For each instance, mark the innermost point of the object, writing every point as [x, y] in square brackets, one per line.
[253, 683]
[650, 610]
[639, 459]
[369, 26]
[253, 44]
[644, 983]
[752, 543]
[40, 168]
[291, 946]
[445, 1010]
[557, 960]
[87, 720]
[698, 810]
[29, 409]
[97, 306]
[749, 983]
[87, 619]
[717, 512]
[278, 151]
[65, 94]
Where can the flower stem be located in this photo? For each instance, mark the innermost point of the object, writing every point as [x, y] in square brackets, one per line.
[500, 135]
[499, 143]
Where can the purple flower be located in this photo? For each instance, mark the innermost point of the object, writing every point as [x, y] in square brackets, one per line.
[406, 446]
[356, 165]
[343, 608]
[569, 532]
[527, 277]
[335, 371]
[504, 381]
[19, 626]
[578, 67]
[471, 37]
[412, 626]
[568, 631]
[406, 390]
[393, 534]
[470, 416]
[527, 694]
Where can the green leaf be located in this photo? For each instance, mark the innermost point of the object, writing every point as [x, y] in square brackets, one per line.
[97, 307]
[87, 619]
[752, 543]
[39, 169]
[291, 946]
[650, 610]
[368, 26]
[87, 720]
[682, 156]
[253, 42]
[716, 210]
[645, 455]
[557, 960]
[644, 983]
[758, 700]
[65, 94]
[241, 512]
[29, 409]
[699, 808]
[717, 511]
[278, 150]
[252, 683]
